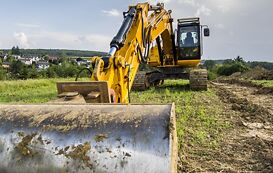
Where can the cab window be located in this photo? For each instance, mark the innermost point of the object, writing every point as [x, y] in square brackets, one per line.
[189, 42]
[189, 36]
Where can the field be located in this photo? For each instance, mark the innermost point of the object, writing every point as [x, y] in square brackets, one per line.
[214, 127]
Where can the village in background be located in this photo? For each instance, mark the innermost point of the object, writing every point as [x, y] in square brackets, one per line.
[19, 63]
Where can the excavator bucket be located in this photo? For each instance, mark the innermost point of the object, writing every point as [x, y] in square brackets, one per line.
[80, 138]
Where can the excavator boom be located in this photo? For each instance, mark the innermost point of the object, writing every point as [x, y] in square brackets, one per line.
[142, 25]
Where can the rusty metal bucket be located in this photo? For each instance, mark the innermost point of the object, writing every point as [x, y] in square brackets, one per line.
[87, 138]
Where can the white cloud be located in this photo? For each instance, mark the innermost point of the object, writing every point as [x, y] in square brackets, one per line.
[195, 5]
[203, 10]
[27, 25]
[112, 12]
[21, 39]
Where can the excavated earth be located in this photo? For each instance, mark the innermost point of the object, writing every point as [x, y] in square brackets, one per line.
[248, 145]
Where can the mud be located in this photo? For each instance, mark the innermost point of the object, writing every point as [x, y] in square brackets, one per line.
[101, 137]
[78, 153]
[23, 147]
[248, 145]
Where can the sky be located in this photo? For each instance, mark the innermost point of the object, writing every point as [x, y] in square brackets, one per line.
[238, 27]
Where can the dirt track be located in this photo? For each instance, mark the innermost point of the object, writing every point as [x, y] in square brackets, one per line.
[248, 145]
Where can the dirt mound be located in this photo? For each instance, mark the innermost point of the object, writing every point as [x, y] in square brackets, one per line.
[258, 73]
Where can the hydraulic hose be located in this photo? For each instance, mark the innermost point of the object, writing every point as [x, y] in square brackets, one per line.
[78, 75]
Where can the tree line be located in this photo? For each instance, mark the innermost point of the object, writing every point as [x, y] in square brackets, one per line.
[19, 70]
[53, 52]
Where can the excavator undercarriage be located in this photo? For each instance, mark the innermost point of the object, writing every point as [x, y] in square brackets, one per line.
[198, 78]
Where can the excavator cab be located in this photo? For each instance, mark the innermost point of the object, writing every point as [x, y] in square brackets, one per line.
[189, 38]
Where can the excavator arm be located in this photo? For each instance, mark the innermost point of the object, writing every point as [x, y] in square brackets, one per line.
[142, 25]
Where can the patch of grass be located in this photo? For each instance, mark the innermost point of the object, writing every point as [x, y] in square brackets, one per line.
[198, 121]
[29, 91]
[265, 83]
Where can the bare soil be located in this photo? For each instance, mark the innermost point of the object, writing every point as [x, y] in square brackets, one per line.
[248, 145]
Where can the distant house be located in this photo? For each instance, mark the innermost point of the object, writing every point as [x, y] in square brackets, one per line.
[52, 59]
[36, 59]
[81, 61]
[29, 60]
[42, 65]
[6, 65]
[17, 57]
[26, 61]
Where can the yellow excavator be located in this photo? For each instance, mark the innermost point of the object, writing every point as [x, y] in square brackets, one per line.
[91, 127]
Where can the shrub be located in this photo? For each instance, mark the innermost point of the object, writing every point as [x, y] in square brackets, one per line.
[232, 66]
[212, 75]
[229, 69]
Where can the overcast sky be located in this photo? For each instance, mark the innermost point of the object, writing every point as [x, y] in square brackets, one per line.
[238, 27]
